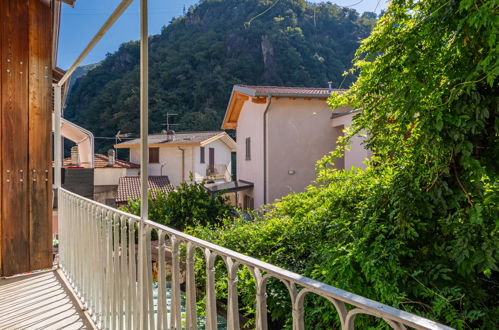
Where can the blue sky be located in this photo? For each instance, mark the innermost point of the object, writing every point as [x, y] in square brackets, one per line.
[79, 24]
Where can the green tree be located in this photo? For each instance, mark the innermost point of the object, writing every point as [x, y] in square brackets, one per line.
[418, 229]
[187, 206]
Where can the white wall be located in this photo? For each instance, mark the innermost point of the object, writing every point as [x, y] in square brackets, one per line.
[358, 153]
[172, 158]
[250, 124]
[222, 157]
[110, 176]
[299, 134]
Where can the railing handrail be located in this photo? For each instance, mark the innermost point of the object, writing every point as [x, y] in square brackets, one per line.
[322, 289]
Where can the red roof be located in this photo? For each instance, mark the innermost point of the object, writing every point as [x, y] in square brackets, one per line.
[260, 91]
[129, 187]
[102, 161]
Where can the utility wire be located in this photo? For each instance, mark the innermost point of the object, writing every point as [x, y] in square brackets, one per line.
[248, 23]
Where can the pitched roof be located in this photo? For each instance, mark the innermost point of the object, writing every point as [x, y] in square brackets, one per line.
[197, 138]
[102, 161]
[129, 187]
[280, 91]
[260, 94]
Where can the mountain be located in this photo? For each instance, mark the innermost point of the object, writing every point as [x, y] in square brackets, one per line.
[198, 57]
[80, 72]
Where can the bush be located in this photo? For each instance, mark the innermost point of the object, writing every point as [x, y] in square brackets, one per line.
[188, 205]
[377, 236]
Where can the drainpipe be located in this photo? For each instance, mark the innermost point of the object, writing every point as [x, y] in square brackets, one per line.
[183, 163]
[161, 169]
[57, 136]
[269, 98]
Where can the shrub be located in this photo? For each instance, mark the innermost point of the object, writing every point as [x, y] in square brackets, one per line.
[188, 205]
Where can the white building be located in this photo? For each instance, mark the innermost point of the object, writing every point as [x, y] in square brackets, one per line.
[281, 134]
[207, 155]
[107, 172]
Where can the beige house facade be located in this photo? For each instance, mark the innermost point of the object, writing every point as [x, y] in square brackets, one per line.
[207, 155]
[281, 134]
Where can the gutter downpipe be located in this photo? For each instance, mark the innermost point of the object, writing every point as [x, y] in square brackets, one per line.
[144, 158]
[57, 136]
[269, 98]
[183, 163]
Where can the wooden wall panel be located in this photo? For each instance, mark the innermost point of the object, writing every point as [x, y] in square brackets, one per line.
[40, 153]
[14, 130]
[2, 70]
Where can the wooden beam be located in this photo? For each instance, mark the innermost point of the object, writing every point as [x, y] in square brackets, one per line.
[14, 130]
[259, 100]
[40, 126]
[234, 109]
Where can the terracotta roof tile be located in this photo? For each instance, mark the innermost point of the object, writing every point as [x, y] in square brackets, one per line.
[183, 137]
[102, 161]
[129, 187]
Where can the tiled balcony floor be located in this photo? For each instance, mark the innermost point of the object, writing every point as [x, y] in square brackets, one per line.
[39, 301]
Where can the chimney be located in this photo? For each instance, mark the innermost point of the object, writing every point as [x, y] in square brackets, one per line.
[111, 158]
[75, 156]
[330, 86]
[170, 135]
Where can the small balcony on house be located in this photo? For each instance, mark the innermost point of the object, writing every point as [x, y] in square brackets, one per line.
[218, 172]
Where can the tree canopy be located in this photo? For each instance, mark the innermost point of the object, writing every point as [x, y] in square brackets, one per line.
[418, 229]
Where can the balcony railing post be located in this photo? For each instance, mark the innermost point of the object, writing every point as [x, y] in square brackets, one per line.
[144, 158]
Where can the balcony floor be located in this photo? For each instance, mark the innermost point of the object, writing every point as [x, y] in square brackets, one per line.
[39, 301]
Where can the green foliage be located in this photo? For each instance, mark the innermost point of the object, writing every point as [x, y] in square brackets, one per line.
[197, 59]
[418, 229]
[189, 205]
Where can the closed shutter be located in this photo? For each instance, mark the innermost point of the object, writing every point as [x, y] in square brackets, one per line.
[201, 155]
[248, 148]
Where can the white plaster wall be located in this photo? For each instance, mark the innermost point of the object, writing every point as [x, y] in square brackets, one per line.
[250, 124]
[222, 156]
[108, 176]
[299, 134]
[358, 153]
[172, 158]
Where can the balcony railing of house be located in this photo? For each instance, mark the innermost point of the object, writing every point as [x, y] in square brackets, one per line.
[112, 275]
[218, 171]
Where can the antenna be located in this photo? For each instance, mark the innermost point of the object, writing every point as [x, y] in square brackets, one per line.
[117, 138]
[168, 124]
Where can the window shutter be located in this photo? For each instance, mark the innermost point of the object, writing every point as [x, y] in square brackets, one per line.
[248, 148]
[201, 155]
[153, 155]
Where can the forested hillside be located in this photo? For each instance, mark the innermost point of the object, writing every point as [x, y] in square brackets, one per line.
[198, 57]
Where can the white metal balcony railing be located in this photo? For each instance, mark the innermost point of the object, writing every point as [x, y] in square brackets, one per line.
[218, 171]
[99, 257]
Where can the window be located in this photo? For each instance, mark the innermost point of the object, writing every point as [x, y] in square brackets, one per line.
[153, 155]
[248, 203]
[201, 155]
[248, 148]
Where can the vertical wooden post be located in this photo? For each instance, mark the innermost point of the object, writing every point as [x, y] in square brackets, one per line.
[14, 130]
[40, 155]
